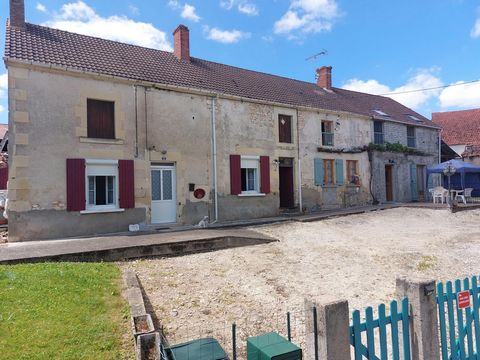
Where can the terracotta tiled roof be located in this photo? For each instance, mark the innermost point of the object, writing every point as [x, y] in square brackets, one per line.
[3, 130]
[45, 45]
[459, 127]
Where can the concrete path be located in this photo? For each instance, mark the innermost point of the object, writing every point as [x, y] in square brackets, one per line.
[166, 242]
[112, 248]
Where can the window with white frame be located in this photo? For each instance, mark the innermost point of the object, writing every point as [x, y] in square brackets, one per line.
[250, 174]
[102, 184]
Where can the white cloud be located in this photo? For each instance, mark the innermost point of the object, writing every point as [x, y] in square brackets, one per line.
[80, 18]
[475, 33]
[463, 96]
[3, 85]
[243, 6]
[2, 108]
[423, 78]
[77, 11]
[248, 9]
[134, 10]
[227, 4]
[174, 4]
[369, 86]
[307, 16]
[189, 13]
[225, 36]
[40, 7]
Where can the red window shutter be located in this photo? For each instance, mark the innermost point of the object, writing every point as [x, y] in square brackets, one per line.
[75, 184]
[126, 184]
[264, 174]
[235, 175]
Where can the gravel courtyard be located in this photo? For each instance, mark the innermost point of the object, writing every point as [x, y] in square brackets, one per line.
[356, 258]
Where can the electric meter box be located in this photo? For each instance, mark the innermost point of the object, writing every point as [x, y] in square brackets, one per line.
[272, 346]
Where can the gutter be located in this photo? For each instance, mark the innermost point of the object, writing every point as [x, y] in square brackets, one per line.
[440, 146]
[299, 171]
[214, 158]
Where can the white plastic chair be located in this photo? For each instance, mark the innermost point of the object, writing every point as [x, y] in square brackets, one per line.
[466, 195]
[439, 192]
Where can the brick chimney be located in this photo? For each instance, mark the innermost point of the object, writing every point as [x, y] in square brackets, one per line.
[324, 77]
[17, 13]
[181, 43]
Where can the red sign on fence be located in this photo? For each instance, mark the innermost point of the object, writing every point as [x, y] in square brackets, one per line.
[463, 299]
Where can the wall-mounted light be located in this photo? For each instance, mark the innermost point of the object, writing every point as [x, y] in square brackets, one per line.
[164, 152]
[275, 163]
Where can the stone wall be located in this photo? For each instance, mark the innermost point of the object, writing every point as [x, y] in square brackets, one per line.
[349, 132]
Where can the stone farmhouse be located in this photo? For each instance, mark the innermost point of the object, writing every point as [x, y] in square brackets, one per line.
[105, 134]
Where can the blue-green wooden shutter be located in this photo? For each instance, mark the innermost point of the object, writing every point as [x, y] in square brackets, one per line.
[413, 181]
[339, 171]
[318, 170]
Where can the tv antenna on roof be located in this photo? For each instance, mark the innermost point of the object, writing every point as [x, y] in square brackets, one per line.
[314, 57]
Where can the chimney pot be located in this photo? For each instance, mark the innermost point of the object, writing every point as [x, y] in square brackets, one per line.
[324, 77]
[17, 13]
[181, 43]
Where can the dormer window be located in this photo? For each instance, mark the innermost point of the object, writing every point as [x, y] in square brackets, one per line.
[381, 113]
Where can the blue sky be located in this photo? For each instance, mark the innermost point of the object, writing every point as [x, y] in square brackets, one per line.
[375, 46]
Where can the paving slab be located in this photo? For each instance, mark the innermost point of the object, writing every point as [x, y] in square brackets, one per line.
[112, 248]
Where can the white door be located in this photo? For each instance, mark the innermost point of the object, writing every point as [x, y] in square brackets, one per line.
[164, 208]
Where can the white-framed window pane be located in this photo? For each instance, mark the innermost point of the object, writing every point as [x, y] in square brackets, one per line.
[91, 190]
[101, 190]
[249, 179]
[167, 185]
[110, 190]
[156, 186]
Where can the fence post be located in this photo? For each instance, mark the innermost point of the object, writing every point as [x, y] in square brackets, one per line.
[423, 317]
[333, 330]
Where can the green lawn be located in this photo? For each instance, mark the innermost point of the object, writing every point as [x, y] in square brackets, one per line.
[63, 311]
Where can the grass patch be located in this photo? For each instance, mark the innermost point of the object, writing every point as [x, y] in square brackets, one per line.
[63, 311]
[426, 262]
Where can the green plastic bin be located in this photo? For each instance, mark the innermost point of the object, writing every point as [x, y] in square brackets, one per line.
[272, 346]
[201, 349]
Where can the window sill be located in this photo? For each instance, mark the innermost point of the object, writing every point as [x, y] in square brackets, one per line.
[251, 195]
[100, 211]
[102, 141]
[329, 186]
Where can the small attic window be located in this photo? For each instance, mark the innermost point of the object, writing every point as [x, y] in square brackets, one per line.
[380, 112]
[413, 117]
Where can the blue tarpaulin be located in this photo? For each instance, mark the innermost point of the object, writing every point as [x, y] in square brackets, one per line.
[466, 176]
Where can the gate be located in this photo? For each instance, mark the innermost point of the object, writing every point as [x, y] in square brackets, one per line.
[389, 334]
[458, 313]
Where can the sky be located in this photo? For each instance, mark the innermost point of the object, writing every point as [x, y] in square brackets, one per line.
[375, 46]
